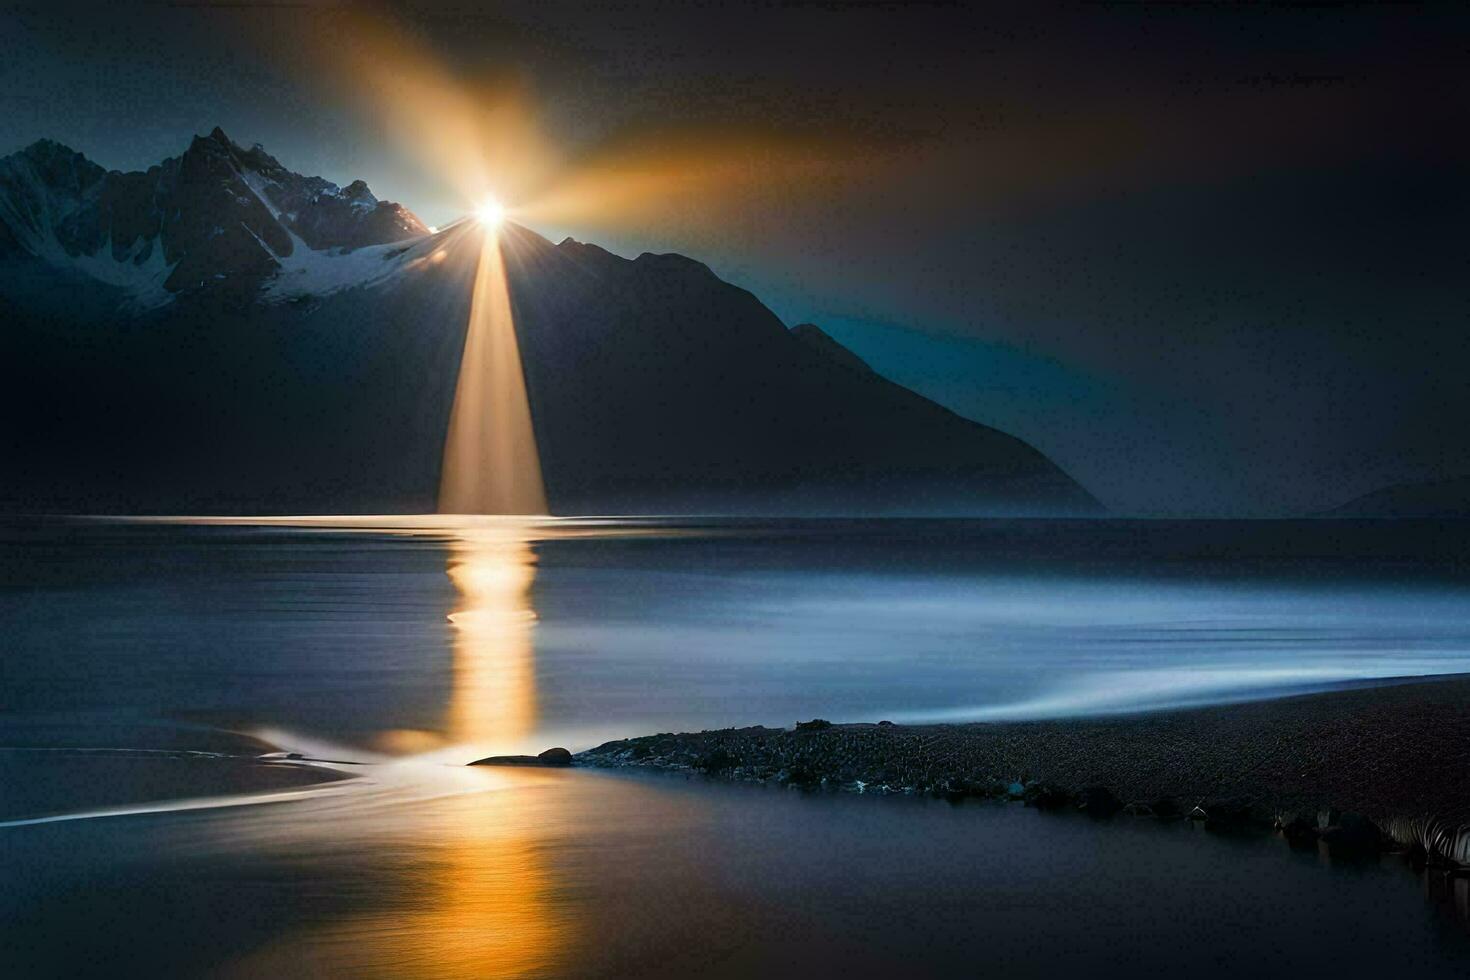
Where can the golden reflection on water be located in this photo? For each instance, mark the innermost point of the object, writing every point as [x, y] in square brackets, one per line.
[474, 896]
[438, 872]
[484, 903]
[486, 908]
[495, 911]
[492, 700]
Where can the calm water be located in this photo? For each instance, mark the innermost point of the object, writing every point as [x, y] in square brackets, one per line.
[402, 649]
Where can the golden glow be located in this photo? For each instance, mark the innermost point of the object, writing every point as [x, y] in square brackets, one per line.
[479, 900]
[680, 182]
[493, 911]
[474, 130]
[469, 130]
[482, 901]
[492, 704]
[490, 213]
[472, 136]
[491, 464]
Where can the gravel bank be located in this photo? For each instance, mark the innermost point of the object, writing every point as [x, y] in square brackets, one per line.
[1368, 767]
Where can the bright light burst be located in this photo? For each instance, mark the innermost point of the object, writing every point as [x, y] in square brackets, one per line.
[490, 212]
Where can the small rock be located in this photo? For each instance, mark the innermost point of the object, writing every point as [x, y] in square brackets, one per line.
[1165, 807]
[717, 761]
[1098, 801]
[1226, 815]
[551, 757]
[980, 787]
[1353, 833]
[1045, 796]
[797, 774]
[1297, 827]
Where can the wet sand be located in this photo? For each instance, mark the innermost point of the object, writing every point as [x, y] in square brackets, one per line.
[60, 766]
[1398, 755]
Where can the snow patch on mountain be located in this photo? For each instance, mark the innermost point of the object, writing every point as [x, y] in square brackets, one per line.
[140, 272]
[306, 272]
[258, 184]
[231, 219]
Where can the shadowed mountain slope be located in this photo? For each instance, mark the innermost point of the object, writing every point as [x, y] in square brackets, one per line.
[1437, 498]
[823, 343]
[657, 386]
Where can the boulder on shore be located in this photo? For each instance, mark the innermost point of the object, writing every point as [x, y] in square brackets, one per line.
[551, 757]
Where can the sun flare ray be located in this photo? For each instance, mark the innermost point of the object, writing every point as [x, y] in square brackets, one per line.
[491, 463]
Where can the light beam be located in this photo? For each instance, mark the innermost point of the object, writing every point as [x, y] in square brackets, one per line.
[491, 464]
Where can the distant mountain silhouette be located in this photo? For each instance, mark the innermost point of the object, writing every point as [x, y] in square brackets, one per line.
[220, 334]
[820, 341]
[1436, 498]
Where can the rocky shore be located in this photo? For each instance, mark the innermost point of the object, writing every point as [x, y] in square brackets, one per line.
[1360, 769]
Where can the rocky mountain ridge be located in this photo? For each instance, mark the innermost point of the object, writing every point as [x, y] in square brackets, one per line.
[216, 217]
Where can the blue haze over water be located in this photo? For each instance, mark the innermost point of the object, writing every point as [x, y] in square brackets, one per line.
[340, 633]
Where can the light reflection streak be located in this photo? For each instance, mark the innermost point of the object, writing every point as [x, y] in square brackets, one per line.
[493, 698]
[442, 868]
[479, 898]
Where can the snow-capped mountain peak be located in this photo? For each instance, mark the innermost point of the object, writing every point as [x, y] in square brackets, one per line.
[217, 217]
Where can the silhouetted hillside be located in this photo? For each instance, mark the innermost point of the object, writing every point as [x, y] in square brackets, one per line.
[1438, 498]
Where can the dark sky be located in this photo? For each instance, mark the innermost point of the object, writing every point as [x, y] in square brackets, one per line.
[1212, 258]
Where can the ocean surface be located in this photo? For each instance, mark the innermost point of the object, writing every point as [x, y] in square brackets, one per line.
[145, 664]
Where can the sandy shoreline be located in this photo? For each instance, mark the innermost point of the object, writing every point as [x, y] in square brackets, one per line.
[1374, 766]
[52, 767]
